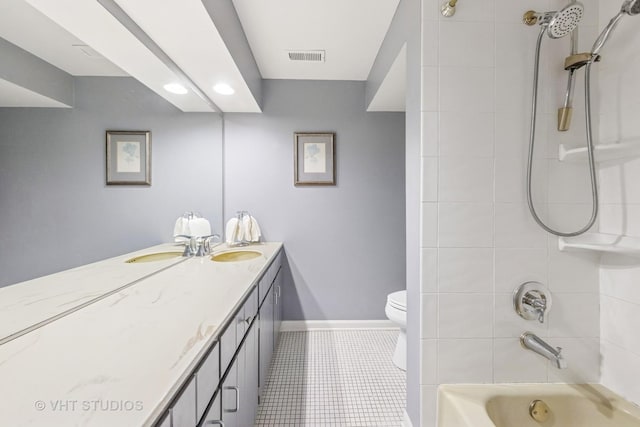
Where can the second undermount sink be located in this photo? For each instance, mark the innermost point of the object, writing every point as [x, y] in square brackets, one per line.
[233, 256]
[158, 256]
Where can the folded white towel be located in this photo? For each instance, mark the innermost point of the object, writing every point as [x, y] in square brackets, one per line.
[181, 228]
[199, 227]
[255, 232]
[231, 230]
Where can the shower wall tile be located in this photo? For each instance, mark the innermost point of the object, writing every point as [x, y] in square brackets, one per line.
[456, 50]
[572, 271]
[465, 225]
[486, 240]
[465, 179]
[430, 44]
[429, 311]
[465, 270]
[516, 229]
[468, 89]
[510, 180]
[512, 135]
[515, 266]
[430, 132]
[620, 283]
[429, 371]
[508, 44]
[574, 315]
[619, 323]
[465, 315]
[513, 91]
[467, 134]
[429, 225]
[429, 89]
[512, 365]
[621, 370]
[465, 361]
[428, 405]
[568, 182]
[620, 219]
[429, 269]
[429, 179]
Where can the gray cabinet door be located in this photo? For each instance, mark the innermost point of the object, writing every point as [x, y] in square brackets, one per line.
[265, 343]
[207, 379]
[230, 397]
[250, 377]
[183, 412]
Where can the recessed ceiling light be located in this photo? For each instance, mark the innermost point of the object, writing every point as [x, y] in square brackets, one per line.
[176, 88]
[224, 89]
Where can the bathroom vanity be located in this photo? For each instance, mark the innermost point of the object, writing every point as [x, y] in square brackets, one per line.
[187, 342]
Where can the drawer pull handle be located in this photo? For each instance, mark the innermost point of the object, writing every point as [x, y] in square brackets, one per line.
[214, 422]
[237, 390]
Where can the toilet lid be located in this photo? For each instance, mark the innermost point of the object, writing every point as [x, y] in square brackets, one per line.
[398, 300]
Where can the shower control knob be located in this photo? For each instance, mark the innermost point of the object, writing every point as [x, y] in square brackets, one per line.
[532, 301]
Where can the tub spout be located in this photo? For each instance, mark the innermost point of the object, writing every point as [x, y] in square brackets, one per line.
[534, 343]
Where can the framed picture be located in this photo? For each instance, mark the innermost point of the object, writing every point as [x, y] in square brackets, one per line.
[128, 157]
[314, 158]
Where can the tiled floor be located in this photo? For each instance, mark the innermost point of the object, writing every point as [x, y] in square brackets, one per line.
[333, 378]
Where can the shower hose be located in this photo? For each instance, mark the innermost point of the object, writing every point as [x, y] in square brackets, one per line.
[532, 136]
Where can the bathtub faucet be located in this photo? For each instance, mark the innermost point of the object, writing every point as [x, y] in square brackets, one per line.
[534, 343]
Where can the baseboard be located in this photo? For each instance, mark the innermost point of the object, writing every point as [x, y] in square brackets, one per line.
[406, 421]
[328, 325]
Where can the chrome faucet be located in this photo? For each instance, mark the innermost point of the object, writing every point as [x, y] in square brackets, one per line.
[532, 301]
[198, 245]
[534, 343]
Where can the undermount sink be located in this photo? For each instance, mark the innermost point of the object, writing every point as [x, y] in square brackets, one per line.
[159, 256]
[233, 256]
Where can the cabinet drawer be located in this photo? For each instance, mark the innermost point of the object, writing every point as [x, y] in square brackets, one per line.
[208, 377]
[183, 412]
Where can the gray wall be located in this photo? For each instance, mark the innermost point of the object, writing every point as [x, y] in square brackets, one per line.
[54, 204]
[345, 244]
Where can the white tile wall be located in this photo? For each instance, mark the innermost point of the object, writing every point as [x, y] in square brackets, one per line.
[620, 195]
[482, 242]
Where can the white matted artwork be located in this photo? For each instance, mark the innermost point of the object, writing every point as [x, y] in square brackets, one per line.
[128, 157]
[314, 158]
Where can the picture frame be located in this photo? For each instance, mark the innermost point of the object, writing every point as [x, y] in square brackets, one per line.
[128, 157]
[314, 158]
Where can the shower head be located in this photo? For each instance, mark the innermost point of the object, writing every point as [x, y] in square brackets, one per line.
[629, 7]
[565, 20]
[560, 23]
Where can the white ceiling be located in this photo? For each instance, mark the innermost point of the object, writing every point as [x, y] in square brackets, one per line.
[24, 26]
[350, 31]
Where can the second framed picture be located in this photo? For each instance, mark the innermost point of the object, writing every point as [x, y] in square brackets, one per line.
[314, 158]
[128, 157]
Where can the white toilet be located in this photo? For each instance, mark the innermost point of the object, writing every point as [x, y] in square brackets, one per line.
[396, 311]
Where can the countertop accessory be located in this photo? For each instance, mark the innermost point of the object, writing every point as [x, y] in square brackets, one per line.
[128, 157]
[242, 230]
[314, 158]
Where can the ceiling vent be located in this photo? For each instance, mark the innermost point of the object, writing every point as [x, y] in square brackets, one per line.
[307, 55]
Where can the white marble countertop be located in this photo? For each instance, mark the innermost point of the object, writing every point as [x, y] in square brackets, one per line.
[118, 361]
[34, 301]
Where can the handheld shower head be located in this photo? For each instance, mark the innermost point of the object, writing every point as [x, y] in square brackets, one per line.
[558, 24]
[629, 7]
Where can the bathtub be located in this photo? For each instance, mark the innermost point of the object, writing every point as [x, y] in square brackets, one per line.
[508, 405]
